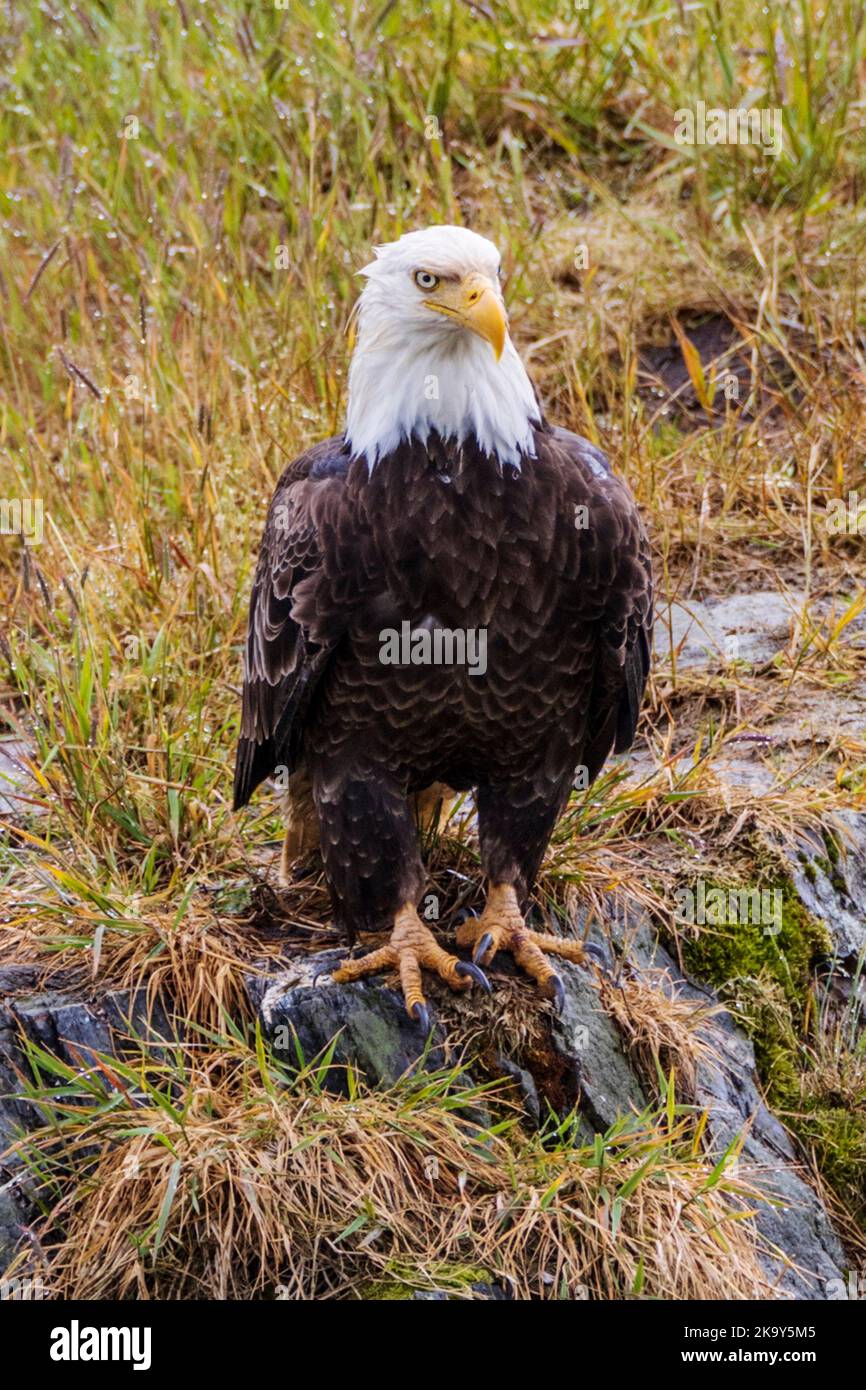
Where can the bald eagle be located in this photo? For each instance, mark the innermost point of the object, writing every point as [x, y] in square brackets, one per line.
[451, 595]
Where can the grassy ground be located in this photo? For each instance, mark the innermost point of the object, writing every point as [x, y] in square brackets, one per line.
[186, 192]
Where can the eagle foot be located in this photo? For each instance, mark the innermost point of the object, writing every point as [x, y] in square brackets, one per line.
[411, 949]
[501, 927]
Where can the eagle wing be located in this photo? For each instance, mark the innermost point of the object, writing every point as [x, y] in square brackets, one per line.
[283, 660]
[615, 571]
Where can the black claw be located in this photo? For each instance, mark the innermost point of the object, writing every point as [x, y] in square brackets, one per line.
[464, 967]
[329, 969]
[420, 1015]
[483, 946]
[463, 915]
[557, 993]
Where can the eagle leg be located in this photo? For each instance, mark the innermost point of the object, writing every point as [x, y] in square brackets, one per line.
[501, 927]
[411, 949]
[433, 807]
[302, 827]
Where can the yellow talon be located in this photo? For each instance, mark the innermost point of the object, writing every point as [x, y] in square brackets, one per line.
[411, 949]
[501, 927]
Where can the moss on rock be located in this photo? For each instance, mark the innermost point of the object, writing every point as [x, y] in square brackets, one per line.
[767, 980]
[726, 955]
[837, 1135]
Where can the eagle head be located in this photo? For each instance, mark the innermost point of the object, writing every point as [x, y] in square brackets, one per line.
[433, 352]
[447, 271]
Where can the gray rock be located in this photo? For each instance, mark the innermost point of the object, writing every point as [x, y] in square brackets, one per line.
[752, 628]
[834, 890]
[76, 1028]
[301, 1015]
[749, 627]
[73, 1028]
[525, 1084]
[580, 1062]
[794, 1221]
[594, 1072]
[749, 630]
[489, 1293]
[741, 627]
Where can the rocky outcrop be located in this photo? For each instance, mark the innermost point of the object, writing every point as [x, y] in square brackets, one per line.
[574, 1057]
[828, 868]
[793, 1220]
[74, 1027]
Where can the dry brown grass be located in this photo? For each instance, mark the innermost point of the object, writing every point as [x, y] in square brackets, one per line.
[664, 1030]
[243, 1186]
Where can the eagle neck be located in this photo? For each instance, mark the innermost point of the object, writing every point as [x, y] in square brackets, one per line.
[453, 388]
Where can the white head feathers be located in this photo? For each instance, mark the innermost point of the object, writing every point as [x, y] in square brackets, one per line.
[416, 368]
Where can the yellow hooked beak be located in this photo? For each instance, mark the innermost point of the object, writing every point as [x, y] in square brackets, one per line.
[475, 303]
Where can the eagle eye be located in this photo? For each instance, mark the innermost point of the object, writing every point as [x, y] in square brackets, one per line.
[425, 280]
